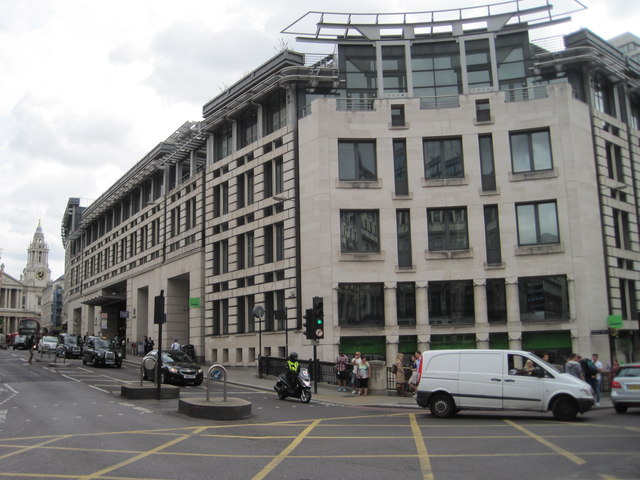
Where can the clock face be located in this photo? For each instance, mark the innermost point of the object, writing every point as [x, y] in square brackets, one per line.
[39, 274]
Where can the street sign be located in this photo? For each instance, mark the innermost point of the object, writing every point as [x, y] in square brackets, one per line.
[614, 321]
[258, 311]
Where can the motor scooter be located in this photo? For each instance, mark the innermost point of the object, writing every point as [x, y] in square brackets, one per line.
[301, 388]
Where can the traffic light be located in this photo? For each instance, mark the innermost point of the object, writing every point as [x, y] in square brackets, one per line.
[318, 317]
[309, 331]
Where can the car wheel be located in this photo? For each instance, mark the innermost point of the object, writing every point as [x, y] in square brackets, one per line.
[119, 365]
[442, 405]
[565, 408]
[620, 408]
[94, 361]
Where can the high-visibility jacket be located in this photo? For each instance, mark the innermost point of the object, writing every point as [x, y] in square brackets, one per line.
[293, 366]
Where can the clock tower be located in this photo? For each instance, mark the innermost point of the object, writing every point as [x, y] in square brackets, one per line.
[37, 272]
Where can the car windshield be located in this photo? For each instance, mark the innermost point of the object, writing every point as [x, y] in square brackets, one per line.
[49, 339]
[629, 372]
[176, 357]
[71, 340]
[100, 343]
[20, 337]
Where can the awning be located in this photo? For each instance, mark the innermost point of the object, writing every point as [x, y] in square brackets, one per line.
[102, 300]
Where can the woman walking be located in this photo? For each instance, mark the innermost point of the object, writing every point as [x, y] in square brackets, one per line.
[399, 370]
[363, 376]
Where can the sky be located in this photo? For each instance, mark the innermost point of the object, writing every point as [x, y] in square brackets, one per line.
[88, 87]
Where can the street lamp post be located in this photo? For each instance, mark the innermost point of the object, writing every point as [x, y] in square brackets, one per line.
[258, 312]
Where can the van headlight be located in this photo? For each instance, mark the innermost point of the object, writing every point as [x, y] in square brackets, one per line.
[587, 391]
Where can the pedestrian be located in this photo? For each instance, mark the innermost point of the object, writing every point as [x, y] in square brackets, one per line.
[31, 343]
[123, 347]
[573, 366]
[399, 371]
[341, 371]
[134, 348]
[354, 373]
[175, 345]
[146, 343]
[600, 369]
[613, 370]
[363, 376]
[413, 379]
[588, 371]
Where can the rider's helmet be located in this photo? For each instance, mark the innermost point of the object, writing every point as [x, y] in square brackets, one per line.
[293, 356]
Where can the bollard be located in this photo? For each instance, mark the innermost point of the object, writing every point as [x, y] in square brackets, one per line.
[214, 373]
[148, 363]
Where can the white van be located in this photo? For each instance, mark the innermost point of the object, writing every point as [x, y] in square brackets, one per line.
[454, 380]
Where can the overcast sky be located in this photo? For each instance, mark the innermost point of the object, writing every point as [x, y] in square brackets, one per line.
[88, 87]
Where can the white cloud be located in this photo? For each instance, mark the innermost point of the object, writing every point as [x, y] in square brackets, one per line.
[88, 88]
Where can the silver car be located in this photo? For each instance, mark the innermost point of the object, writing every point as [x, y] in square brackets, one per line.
[47, 343]
[625, 388]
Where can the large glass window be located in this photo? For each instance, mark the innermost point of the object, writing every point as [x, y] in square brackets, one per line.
[357, 160]
[406, 303]
[359, 231]
[248, 127]
[443, 158]
[543, 298]
[394, 70]
[436, 69]
[510, 56]
[487, 168]
[222, 139]
[451, 303]
[447, 228]
[537, 223]
[478, 59]
[358, 70]
[361, 304]
[530, 151]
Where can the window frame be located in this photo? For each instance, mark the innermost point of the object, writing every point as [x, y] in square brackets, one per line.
[447, 230]
[531, 151]
[358, 228]
[354, 159]
[537, 226]
[443, 164]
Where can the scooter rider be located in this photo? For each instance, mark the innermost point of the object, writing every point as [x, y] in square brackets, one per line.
[293, 369]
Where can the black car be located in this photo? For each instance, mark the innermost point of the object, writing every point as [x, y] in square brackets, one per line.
[72, 345]
[20, 342]
[100, 352]
[177, 367]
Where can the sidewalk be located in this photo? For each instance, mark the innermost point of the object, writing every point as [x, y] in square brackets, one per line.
[248, 376]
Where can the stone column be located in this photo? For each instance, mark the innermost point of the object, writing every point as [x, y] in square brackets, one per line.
[481, 315]
[514, 324]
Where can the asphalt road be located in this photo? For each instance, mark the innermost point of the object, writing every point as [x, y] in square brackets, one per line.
[69, 422]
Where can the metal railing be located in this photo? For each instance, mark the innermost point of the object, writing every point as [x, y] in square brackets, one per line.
[525, 94]
[439, 102]
[355, 104]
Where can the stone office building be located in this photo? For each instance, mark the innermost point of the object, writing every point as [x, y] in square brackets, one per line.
[439, 183]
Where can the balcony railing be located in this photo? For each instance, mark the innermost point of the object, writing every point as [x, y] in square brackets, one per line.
[355, 104]
[525, 94]
[437, 103]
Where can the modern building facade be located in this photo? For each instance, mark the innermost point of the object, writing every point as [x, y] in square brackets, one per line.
[439, 183]
[24, 297]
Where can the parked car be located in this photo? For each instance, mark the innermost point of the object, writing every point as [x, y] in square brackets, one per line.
[454, 380]
[47, 343]
[20, 342]
[625, 388]
[100, 352]
[71, 344]
[177, 367]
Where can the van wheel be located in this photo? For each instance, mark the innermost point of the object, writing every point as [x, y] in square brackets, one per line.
[565, 408]
[442, 405]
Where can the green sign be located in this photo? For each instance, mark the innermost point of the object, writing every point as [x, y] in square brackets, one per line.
[614, 321]
[194, 302]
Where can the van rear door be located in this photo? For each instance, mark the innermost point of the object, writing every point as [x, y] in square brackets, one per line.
[480, 384]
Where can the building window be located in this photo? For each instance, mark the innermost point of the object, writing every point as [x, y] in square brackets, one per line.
[267, 179]
[357, 160]
[358, 70]
[359, 231]
[394, 70]
[530, 151]
[268, 243]
[250, 245]
[621, 229]
[483, 110]
[249, 187]
[241, 315]
[510, 57]
[628, 302]
[447, 228]
[496, 300]
[403, 225]
[276, 111]
[248, 127]
[443, 158]
[492, 235]
[191, 213]
[406, 303]
[225, 198]
[400, 167]
[223, 141]
[240, 191]
[487, 167]
[279, 240]
[436, 69]
[278, 168]
[397, 116]
[603, 96]
[543, 298]
[361, 304]
[478, 63]
[451, 303]
[537, 223]
[614, 161]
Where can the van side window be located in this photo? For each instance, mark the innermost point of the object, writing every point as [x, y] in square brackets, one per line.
[519, 365]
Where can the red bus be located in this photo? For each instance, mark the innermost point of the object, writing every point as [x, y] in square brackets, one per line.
[28, 327]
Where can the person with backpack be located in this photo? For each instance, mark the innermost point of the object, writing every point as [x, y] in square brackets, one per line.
[599, 370]
[589, 371]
